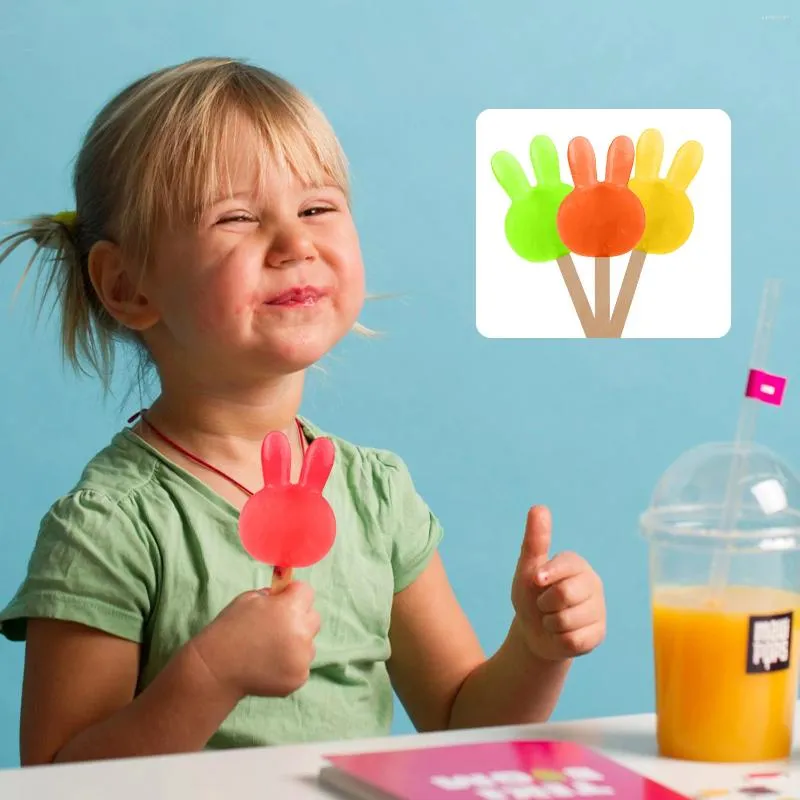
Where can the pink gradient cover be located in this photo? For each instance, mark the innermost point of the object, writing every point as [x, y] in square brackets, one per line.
[520, 770]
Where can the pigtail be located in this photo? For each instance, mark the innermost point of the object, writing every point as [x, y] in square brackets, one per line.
[62, 268]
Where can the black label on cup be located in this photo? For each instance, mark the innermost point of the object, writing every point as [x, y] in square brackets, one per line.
[769, 643]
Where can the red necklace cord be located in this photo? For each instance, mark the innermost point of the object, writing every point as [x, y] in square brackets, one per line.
[200, 461]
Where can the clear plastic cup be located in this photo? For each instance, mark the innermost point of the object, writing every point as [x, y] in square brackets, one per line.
[725, 605]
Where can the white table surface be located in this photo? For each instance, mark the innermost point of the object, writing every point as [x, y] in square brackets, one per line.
[290, 773]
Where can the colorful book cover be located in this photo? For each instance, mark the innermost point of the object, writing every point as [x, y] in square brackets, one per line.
[517, 770]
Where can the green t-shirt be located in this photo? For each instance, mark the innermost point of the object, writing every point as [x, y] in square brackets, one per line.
[144, 550]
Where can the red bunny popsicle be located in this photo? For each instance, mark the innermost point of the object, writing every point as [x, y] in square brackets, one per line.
[287, 524]
[601, 219]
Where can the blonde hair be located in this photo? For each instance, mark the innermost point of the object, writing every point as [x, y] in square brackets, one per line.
[154, 157]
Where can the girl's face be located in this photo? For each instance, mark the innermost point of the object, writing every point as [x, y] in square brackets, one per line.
[265, 284]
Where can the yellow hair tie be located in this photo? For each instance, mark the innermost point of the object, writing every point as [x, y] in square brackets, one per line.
[68, 219]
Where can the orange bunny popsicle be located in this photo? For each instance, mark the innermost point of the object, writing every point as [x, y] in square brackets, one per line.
[601, 219]
[285, 524]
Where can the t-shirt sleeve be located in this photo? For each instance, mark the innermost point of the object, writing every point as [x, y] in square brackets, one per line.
[415, 530]
[93, 564]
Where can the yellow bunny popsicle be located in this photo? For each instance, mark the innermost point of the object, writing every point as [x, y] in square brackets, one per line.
[669, 214]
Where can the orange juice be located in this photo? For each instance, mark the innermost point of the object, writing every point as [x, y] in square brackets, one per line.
[724, 691]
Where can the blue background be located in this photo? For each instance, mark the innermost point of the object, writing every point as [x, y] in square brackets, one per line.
[488, 427]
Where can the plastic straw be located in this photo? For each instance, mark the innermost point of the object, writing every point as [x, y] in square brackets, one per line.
[745, 429]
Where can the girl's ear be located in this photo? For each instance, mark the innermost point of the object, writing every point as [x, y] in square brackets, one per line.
[582, 163]
[619, 161]
[317, 464]
[117, 289]
[276, 459]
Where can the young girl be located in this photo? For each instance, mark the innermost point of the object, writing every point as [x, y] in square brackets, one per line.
[213, 231]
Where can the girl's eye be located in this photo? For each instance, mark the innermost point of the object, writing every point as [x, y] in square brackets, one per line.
[315, 211]
[236, 218]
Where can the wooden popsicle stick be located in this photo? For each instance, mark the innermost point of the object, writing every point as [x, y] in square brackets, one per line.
[578, 296]
[627, 291]
[281, 578]
[602, 295]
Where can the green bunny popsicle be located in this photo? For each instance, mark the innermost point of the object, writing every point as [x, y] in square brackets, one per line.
[530, 223]
[531, 219]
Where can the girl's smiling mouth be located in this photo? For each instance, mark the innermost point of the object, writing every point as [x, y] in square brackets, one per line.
[298, 296]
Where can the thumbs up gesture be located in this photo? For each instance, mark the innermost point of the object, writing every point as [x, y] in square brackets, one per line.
[559, 602]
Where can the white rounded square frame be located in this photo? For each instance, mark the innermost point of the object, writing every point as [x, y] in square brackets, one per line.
[685, 294]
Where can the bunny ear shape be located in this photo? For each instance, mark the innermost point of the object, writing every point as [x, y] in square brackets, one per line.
[276, 459]
[685, 165]
[510, 175]
[317, 464]
[649, 155]
[582, 163]
[619, 161]
[544, 158]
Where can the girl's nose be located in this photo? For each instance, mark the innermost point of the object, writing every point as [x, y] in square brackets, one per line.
[291, 245]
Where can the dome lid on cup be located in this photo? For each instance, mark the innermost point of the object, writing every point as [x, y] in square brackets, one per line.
[690, 498]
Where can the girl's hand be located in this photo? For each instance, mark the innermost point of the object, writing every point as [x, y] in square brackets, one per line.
[262, 644]
[559, 603]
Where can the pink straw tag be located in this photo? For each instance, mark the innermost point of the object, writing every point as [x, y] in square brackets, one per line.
[765, 387]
